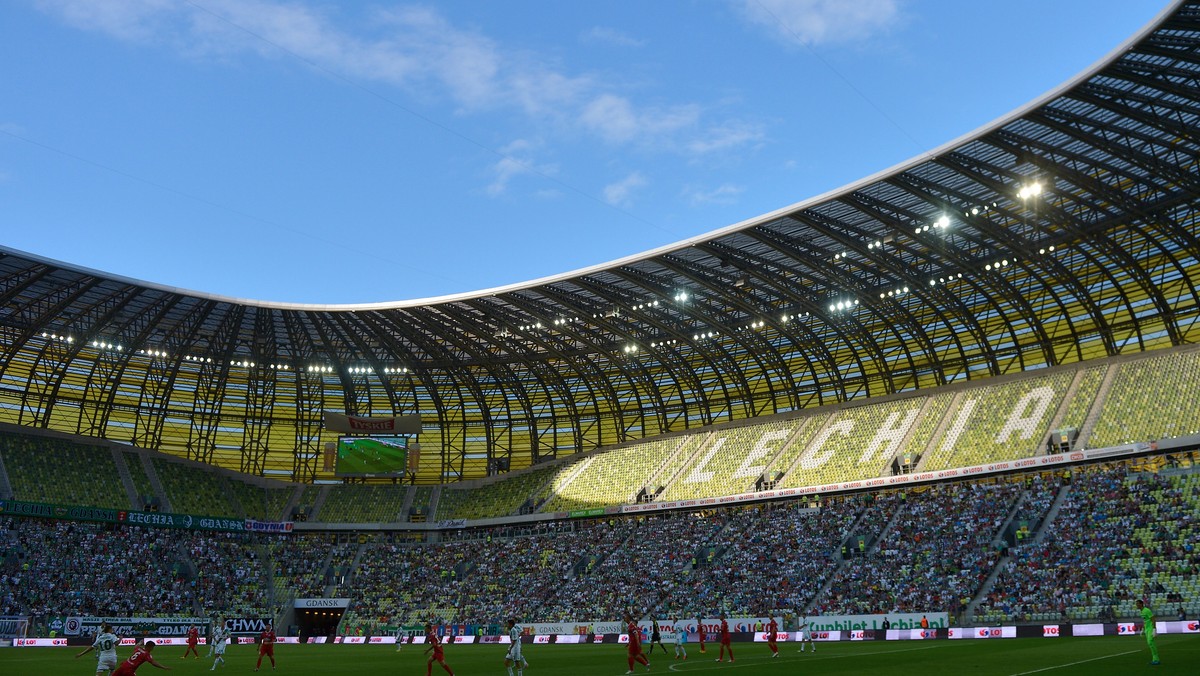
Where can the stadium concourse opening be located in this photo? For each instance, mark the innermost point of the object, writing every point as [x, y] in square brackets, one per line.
[318, 621]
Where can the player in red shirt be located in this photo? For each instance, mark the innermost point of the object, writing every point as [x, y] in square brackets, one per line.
[772, 629]
[140, 656]
[266, 645]
[193, 639]
[700, 633]
[725, 644]
[635, 644]
[438, 656]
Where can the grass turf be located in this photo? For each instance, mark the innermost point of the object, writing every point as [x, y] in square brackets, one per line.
[367, 456]
[1093, 656]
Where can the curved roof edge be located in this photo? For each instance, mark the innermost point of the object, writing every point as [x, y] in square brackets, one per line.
[901, 167]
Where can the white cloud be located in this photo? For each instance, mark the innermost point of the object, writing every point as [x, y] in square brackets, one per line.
[617, 120]
[517, 160]
[124, 19]
[620, 194]
[813, 22]
[611, 36]
[419, 49]
[725, 137]
[724, 194]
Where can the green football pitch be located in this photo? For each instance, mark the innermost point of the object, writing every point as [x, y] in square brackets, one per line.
[1093, 656]
[367, 456]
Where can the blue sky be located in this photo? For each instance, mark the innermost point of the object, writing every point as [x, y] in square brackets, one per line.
[325, 152]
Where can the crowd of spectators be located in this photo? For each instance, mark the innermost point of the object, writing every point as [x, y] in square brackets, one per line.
[633, 565]
[939, 549]
[64, 568]
[1115, 537]
[780, 559]
[300, 564]
[230, 575]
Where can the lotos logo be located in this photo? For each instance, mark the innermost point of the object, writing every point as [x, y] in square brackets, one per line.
[1192, 626]
[1050, 630]
[927, 633]
[1126, 628]
[823, 635]
[983, 633]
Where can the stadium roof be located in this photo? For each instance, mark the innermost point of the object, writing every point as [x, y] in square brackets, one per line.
[1064, 231]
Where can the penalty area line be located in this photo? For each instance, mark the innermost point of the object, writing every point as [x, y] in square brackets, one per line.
[1071, 664]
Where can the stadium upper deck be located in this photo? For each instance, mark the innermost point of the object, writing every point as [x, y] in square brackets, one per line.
[1063, 232]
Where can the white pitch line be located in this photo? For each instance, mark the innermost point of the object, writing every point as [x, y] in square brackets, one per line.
[678, 668]
[1071, 664]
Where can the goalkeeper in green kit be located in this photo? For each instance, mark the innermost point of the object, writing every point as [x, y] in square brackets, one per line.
[1148, 629]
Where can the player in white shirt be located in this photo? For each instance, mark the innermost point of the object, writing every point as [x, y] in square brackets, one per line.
[680, 637]
[513, 656]
[220, 638]
[105, 646]
[805, 636]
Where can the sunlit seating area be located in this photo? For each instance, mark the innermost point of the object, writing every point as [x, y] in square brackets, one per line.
[721, 467]
[1000, 422]
[1150, 399]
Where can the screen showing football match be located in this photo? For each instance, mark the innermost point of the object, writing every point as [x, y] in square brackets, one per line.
[371, 456]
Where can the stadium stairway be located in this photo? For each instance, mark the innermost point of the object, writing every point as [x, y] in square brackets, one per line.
[131, 493]
[291, 503]
[1061, 411]
[352, 570]
[985, 587]
[434, 499]
[686, 448]
[573, 471]
[823, 590]
[915, 428]
[887, 528]
[405, 507]
[1052, 513]
[268, 577]
[6, 491]
[1093, 415]
[938, 434]
[322, 496]
[155, 482]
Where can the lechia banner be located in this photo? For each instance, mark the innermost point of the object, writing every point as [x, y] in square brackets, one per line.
[134, 626]
[153, 519]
